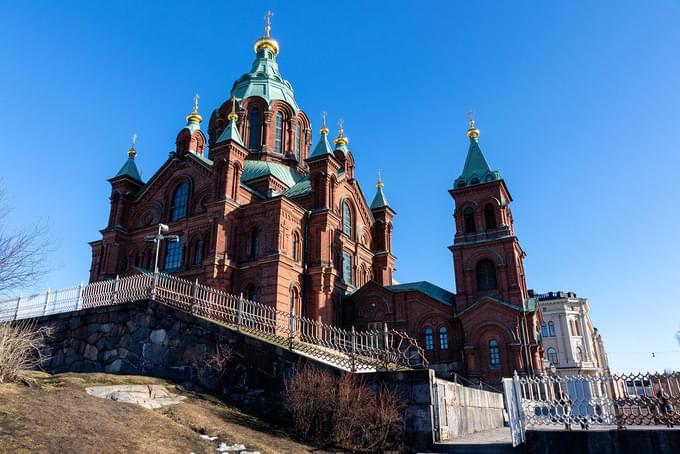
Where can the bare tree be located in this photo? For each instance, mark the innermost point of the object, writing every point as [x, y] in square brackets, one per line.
[23, 251]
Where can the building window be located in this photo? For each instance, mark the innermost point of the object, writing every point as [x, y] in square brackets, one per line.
[347, 267]
[443, 338]
[296, 247]
[251, 293]
[579, 354]
[278, 139]
[486, 275]
[254, 240]
[544, 329]
[298, 139]
[551, 353]
[469, 220]
[551, 329]
[489, 216]
[346, 219]
[173, 255]
[429, 339]
[179, 202]
[295, 302]
[198, 252]
[255, 129]
[494, 354]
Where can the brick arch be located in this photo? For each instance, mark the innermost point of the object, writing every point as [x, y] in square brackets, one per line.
[490, 254]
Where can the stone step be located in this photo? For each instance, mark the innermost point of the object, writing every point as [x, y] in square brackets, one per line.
[476, 448]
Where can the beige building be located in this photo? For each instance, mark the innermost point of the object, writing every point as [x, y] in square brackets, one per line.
[570, 341]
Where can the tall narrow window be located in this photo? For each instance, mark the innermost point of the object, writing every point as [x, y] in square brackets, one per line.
[469, 220]
[251, 293]
[347, 267]
[494, 354]
[544, 330]
[173, 255]
[551, 329]
[278, 140]
[254, 239]
[551, 353]
[255, 129]
[489, 216]
[346, 219]
[198, 252]
[443, 338]
[295, 302]
[179, 202]
[295, 246]
[429, 339]
[579, 354]
[298, 140]
[486, 275]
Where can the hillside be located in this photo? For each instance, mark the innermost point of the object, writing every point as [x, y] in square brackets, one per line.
[56, 415]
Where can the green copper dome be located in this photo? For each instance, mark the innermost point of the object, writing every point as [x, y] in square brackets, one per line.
[476, 170]
[265, 80]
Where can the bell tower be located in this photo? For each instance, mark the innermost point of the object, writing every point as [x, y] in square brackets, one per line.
[487, 257]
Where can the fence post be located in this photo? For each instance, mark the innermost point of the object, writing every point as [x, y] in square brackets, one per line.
[194, 292]
[386, 343]
[154, 284]
[79, 300]
[517, 391]
[353, 353]
[114, 292]
[291, 329]
[16, 311]
[47, 300]
[239, 311]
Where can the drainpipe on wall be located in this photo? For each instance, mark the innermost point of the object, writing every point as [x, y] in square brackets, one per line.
[305, 259]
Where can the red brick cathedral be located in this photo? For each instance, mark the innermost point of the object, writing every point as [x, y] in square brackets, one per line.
[261, 209]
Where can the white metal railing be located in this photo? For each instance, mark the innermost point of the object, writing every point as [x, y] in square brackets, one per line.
[356, 351]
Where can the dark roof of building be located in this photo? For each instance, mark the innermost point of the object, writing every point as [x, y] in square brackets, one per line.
[129, 169]
[428, 288]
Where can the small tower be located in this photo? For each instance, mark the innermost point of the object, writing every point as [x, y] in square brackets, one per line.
[229, 155]
[191, 139]
[384, 260]
[123, 185]
[323, 170]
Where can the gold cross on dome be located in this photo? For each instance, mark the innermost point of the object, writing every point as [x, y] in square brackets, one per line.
[268, 22]
[341, 126]
[196, 102]
[323, 119]
[134, 139]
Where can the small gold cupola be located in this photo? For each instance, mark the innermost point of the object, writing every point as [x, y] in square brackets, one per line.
[472, 132]
[341, 139]
[267, 42]
[194, 116]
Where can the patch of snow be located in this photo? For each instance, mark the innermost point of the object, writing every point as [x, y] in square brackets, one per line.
[223, 447]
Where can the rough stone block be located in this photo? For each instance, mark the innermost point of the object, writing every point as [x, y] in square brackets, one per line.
[157, 336]
[90, 352]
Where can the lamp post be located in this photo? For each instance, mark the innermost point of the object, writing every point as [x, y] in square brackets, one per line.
[157, 238]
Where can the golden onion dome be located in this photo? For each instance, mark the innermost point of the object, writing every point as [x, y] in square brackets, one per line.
[341, 139]
[194, 116]
[472, 132]
[267, 42]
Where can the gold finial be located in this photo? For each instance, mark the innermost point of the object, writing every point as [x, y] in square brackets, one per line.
[324, 128]
[232, 115]
[472, 132]
[132, 152]
[341, 139]
[194, 116]
[379, 184]
[266, 41]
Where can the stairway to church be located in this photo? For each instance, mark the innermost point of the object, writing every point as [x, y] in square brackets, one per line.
[488, 441]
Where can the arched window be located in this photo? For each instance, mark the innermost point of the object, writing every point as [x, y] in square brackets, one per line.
[255, 129]
[346, 219]
[551, 353]
[198, 252]
[254, 239]
[489, 216]
[474, 180]
[295, 249]
[278, 139]
[295, 302]
[551, 329]
[579, 354]
[469, 220]
[494, 354]
[179, 202]
[298, 140]
[443, 338]
[173, 255]
[347, 267]
[429, 339]
[544, 329]
[486, 275]
[251, 293]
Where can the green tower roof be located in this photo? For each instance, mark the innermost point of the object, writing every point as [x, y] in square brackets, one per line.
[265, 80]
[476, 170]
[379, 201]
[231, 133]
[129, 169]
[322, 147]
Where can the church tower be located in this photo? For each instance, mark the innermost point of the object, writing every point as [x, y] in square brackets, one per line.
[492, 299]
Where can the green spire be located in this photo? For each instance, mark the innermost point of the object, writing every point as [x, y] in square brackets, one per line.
[323, 147]
[231, 131]
[379, 201]
[476, 170]
[129, 169]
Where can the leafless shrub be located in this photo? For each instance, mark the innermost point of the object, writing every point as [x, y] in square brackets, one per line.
[343, 411]
[218, 360]
[21, 348]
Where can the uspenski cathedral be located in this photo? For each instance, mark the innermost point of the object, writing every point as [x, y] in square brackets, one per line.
[264, 209]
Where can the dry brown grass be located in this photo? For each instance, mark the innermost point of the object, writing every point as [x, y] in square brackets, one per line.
[21, 347]
[344, 411]
[58, 416]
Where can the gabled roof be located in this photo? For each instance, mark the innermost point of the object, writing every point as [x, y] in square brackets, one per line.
[253, 170]
[230, 133]
[435, 292]
[301, 189]
[322, 147]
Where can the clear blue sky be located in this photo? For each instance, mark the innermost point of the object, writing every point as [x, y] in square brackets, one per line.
[578, 104]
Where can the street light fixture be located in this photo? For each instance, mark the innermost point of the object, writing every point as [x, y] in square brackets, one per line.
[157, 238]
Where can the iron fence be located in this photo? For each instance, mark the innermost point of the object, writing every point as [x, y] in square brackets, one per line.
[356, 351]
